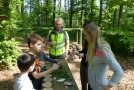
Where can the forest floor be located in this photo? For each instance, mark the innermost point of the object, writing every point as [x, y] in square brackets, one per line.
[126, 83]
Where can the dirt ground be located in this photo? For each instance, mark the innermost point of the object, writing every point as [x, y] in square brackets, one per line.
[126, 83]
[7, 76]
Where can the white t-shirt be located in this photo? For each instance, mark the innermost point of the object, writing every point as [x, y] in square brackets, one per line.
[23, 83]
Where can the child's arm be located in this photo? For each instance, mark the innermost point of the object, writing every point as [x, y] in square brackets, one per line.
[49, 59]
[41, 74]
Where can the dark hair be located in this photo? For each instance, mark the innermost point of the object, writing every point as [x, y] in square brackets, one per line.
[86, 22]
[25, 61]
[33, 38]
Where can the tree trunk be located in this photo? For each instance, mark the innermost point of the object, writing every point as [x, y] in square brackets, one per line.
[30, 9]
[76, 13]
[71, 14]
[115, 17]
[46, 13]
[100, 13]
[120, 14]
[54, 12]
[22, 7]
[60, 8]
[82, 12]
[92, 4]
[38, 13]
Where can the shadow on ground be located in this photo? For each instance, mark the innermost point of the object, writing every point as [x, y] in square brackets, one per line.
[6, 85]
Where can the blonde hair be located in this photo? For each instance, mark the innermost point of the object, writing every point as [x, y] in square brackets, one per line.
[96, 40]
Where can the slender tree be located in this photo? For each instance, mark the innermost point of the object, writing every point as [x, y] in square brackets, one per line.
[100, 12]
[71, 13]
[46, 12]
[38, 13]
[54, 11]
[120, 14]
[92, 4]
[115, 17]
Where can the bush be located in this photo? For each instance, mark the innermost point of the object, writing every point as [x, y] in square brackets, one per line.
[121, 42]
[9, 52]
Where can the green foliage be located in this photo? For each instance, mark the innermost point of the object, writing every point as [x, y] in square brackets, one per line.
[9, 52]
[8, 46]
[120, 41]
[127, 20]
[8, 31]
[42, 32]
[9, 27]
[25, 22]
[60, 73]
[4, 7]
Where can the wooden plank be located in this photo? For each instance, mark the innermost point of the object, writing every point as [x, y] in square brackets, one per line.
[60, 85]
[78, 32]
[66, 29]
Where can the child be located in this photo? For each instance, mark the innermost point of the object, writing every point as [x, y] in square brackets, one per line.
[35, 44]
[26, 64]
[43, 57]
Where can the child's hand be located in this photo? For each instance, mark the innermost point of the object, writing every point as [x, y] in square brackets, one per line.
[81, 55]
[51, 44]
[55, 66]
[75, 52]
[41, 63]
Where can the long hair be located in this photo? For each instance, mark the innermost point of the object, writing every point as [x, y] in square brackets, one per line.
[96, 40]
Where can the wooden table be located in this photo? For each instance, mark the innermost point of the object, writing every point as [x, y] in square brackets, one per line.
[60, 85]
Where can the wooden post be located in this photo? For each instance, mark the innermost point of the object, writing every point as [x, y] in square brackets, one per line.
[80, 37]
[77, 35]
